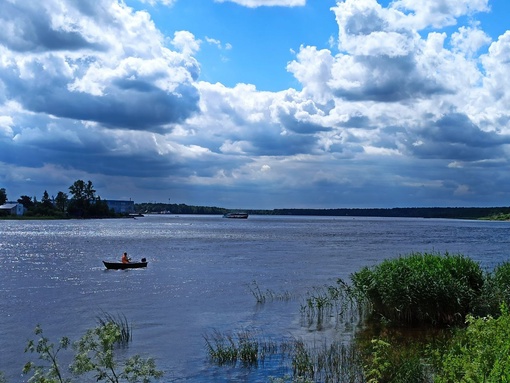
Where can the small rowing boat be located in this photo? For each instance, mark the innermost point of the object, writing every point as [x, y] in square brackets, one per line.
[123, 266]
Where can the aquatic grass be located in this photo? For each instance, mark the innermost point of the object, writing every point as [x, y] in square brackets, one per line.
[242, 346]
[495, 291]
[422, 288]
[332, 305]
[395, 363]
[326, 362]
[121, 322]
[268, 295]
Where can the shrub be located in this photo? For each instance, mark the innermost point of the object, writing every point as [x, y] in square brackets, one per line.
[421, 288]
[479, 353]
[95, 355]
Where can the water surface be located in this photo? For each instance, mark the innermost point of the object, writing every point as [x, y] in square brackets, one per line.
[198, 275]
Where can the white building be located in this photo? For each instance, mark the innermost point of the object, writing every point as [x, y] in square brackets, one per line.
[12, 208]
[122, 207]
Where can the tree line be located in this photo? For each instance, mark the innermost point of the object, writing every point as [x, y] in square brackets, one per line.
[81, 202]
[84, 203]
[499, 213]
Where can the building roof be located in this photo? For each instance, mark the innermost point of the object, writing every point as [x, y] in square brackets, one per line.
[8, 206]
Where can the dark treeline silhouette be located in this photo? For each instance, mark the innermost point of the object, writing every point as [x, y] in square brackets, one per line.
[411, 212]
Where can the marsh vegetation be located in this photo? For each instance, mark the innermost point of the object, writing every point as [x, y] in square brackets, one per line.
[423, 317]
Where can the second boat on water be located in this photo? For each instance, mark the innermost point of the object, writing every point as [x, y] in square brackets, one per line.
[237, 214]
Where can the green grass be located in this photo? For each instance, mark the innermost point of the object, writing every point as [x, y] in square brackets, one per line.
[400, 314]
[331, 306]
[322, 361]
[242, 346]
[421, 288]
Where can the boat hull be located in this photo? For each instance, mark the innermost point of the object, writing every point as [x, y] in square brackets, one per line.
[123, 266]
[236, 215]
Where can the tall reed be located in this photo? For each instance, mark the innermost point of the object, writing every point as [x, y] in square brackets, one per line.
[327, 362]
[332, 305]
[320, 362]
[121, 322]
[268, 295]
[242, 346]
[422, 288]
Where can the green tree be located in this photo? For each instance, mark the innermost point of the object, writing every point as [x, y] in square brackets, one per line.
[49, 371]
[3, 196]
[61, 201]
[46, 200]
[26, 201]
[82, 191]
[95, 354]
[83, 197]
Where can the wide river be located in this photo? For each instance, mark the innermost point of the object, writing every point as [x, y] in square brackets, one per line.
[198, 278]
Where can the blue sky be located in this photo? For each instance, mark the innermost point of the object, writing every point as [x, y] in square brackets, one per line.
[258, 103]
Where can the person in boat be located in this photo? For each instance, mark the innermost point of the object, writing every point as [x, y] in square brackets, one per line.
[125, 258]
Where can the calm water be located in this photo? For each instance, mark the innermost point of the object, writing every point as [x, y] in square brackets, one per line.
[197, 280]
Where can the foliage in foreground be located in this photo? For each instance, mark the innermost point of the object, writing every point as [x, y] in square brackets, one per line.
[95, 355]
[479, 353]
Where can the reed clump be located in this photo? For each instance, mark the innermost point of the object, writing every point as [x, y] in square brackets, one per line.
[326, 362]
[422, 288]
[243, 346]
[332, 306]
[318, 362]
[268, 295]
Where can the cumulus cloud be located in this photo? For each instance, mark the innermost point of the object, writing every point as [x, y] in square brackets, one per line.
[99, 62]
[266, 3]
[456, 137]
[438, 13]
[168, 3]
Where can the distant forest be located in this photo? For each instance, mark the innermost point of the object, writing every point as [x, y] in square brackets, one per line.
[411, 212]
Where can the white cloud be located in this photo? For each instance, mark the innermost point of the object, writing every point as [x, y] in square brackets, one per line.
[438, 13]
[266, 3]
[168, 3]
[469, 40]
[185, 41]
[98, 62]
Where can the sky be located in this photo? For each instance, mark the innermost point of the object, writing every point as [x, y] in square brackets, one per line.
[258, 104]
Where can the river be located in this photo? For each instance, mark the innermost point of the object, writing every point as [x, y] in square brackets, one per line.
[198, 278]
